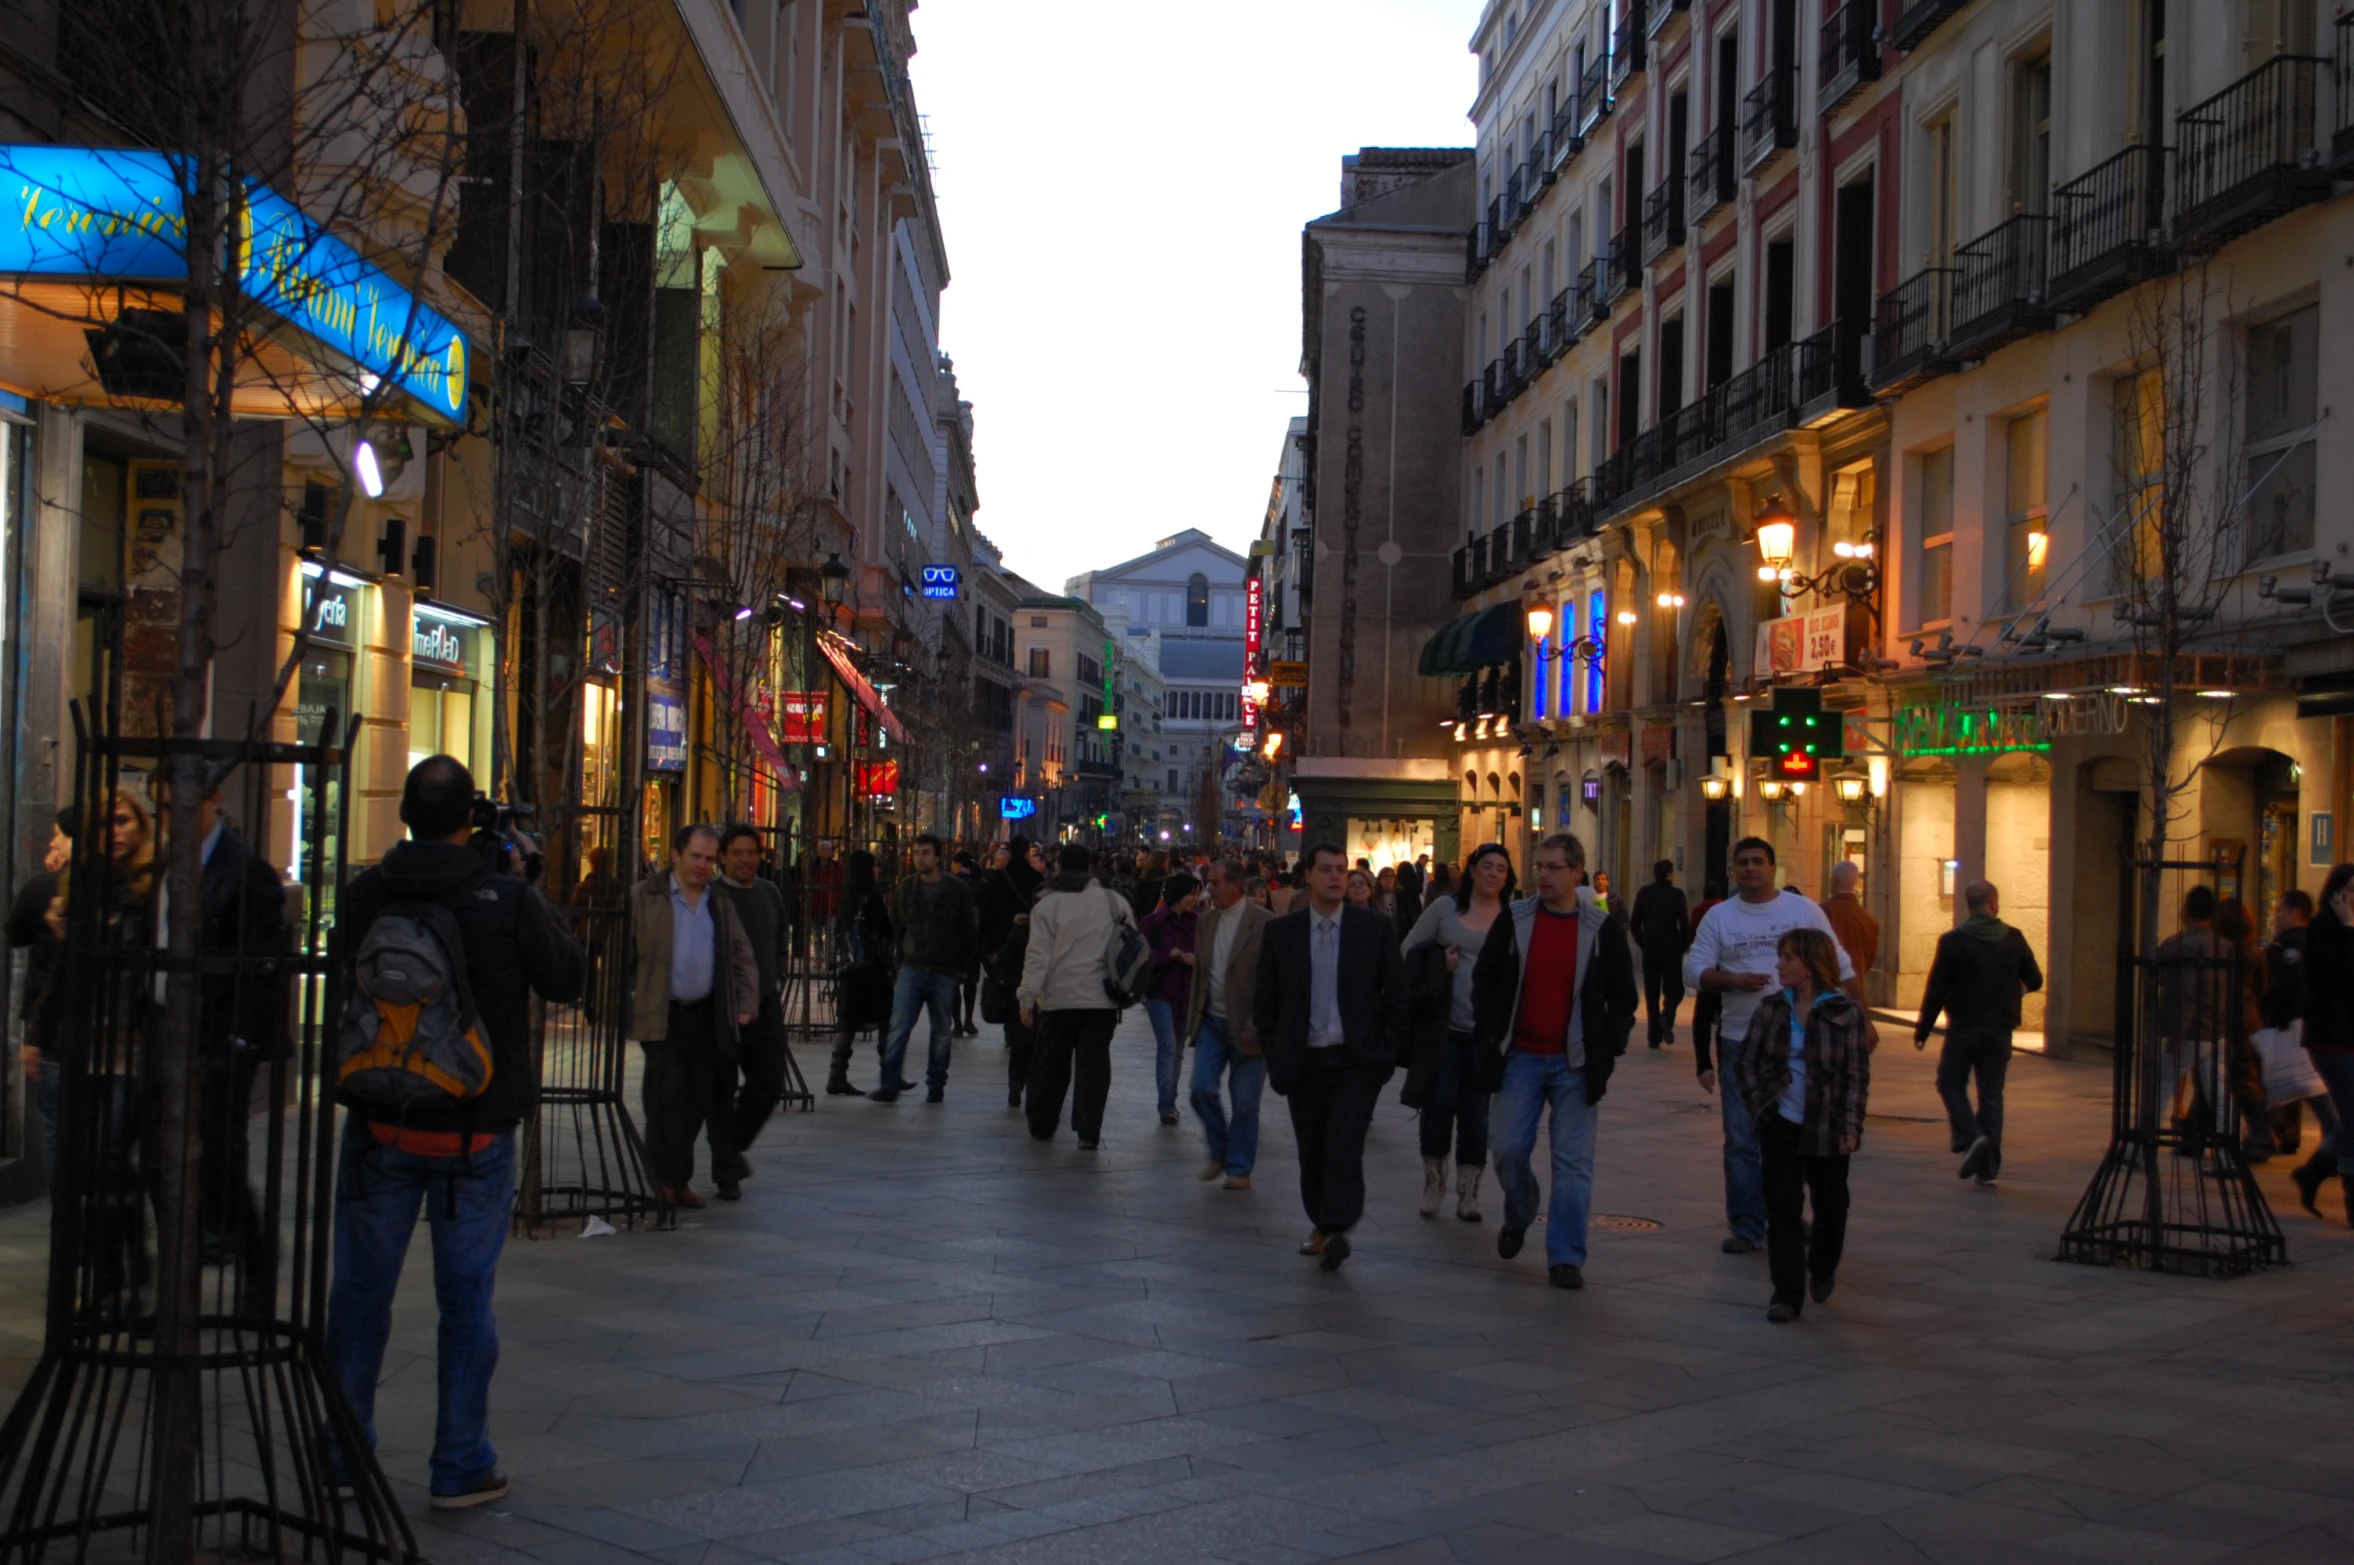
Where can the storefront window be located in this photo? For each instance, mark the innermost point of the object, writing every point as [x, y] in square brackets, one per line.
[331, 605]
[444, 694]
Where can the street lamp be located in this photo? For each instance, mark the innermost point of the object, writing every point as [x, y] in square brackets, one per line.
[1852, 786]
[1715, 788]
[1777, 540]
[1772, 789]
[833, 582]
[1540, 622]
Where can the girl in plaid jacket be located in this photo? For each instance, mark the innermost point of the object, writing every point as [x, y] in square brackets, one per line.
[1805, 1073]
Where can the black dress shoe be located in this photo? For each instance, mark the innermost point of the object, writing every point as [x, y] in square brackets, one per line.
[1738, 1244]
[840, 1087]
[1508, 1241]
[883, 1095]
[1336, 1250]
[934, 1094]
[1782, 1310]
[1566, 1276]
[1822, 1288]
[729, 1190]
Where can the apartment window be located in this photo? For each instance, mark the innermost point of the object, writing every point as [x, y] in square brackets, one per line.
[1933, 554]
[1781, 292]
[2031, 135]
[1671, 367]
[2139, 409]
[1944, 194]
[1520, 473]
[1041, 663]
[1479, 496]
[1601, 424]
[1197, 599]
[1544, 457]
[1501, 511]
[1569, 442]
[2025, 514]
[2282, 399]
[1630, 396]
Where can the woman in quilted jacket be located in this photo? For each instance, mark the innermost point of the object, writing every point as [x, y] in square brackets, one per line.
[1805, 1073]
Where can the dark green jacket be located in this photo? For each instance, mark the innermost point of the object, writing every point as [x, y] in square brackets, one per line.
[939, 928]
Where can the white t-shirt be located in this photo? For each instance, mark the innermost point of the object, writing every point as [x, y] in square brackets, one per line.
[1740, 937]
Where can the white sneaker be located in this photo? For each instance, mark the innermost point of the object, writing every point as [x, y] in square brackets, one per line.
[1434, 1185]
[1467, 1194]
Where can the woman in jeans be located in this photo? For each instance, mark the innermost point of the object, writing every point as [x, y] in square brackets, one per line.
[1804, 1073]
[2329, 1017]
[1456, 1118]
[1168, 929]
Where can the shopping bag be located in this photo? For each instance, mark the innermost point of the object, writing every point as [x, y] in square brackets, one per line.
[2289, 1076]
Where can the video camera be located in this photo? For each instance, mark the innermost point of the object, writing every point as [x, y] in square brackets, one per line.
[506, 849]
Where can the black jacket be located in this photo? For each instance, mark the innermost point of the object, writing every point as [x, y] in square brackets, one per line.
[244, 915]
[1605, 995]
[515, 945]
[1977, 983]
[938, 927]
[2284, 973]
[1662, 920]
[28, 927]
[1430, 1001]
[1371, 992]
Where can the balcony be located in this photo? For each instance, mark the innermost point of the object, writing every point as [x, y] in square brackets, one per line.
[1909, 327]
[1721, 425]
[1757, 402]
[1477, 251]
[2341, 141]
[1713, 175]
[1661, 13]
[1464, 574]
[1917, 19]
[2247, 155]
[1610, 276]
[1476, 409]
[1594, 293]
[1562, 141]
[1999, 292]
[2108, 229]
[1515, 371]
[1851, 53]
[1493, 380]
[1594, 95]
[1534, 352]
[1531, 184]
[1663, 219]
[1501, 216]
[1561, 324]
[1626, 256]
[1831, 373]
[1626, 49]
[1769, 118]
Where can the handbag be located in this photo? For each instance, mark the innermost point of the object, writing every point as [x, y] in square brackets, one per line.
[997, 1000]
[2289, 1076]
[1127, 960]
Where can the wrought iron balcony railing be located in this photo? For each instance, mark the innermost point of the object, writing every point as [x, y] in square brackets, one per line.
[2248, 154]
[1626, 257]
[1661, 13]
[1626, 49]
[1999, 295]
[1593, 291]
[1562, 141]
[1917, 19]
[1850, 52]
[1831, 371]
[1594, 95]
[1769, 118]
[2108, 229]
[1713, 173]
[1663, 218]
[1909, 326]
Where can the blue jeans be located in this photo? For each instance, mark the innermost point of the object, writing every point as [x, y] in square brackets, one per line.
[2337, 1074]
[1745, 1210]
[378, 1190]
[932, 988]
[1168, 1053]
[1233, 1143]
[1532, 1084]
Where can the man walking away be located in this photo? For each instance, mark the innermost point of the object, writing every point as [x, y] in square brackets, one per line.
[1734, 956]
[1063, 995]
[694, 990]
[1225, 1033]
[1553, 1001]
[457, 1162]
[1975, 980]
[760, 1055]
[1852, 924]
[1663, 928]
[1331, 1012]
[939, 937]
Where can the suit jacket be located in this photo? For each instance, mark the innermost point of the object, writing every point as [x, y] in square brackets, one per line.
[243, 913]
[1371, 993]
[735, 972]
[1242, 971]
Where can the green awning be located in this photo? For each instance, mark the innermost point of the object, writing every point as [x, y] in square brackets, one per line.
[1473, 642]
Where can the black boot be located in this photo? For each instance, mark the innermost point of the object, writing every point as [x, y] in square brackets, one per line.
[838, 1086]
[2308, 1180]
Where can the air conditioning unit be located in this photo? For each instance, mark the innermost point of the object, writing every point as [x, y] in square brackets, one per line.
[1675, 773]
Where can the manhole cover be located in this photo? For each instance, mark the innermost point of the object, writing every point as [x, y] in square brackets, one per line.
[1624, 1225]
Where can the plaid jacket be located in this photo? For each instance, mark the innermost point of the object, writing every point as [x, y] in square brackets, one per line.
[1838, 1070]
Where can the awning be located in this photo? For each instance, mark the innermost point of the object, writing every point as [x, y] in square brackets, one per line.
[1473, 642]
[756, 725]
[859, 686]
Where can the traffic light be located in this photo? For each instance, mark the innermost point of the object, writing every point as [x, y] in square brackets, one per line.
[1797, 736]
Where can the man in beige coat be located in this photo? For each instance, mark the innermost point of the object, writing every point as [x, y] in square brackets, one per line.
[695, 983]
[1218, 1017]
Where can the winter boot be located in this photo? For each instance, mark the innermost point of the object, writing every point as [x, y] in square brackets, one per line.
[1434, 1185]
[1467, 1193]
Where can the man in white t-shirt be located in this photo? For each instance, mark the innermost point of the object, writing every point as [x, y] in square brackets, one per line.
[1733, 954]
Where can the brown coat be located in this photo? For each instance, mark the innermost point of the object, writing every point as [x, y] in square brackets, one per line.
[735, 973]
[1242, 971]
[1857, 932]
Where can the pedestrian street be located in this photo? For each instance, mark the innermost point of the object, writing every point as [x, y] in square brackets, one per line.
[921, 1336]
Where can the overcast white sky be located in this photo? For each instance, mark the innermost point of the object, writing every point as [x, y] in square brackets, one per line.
[1122, 188]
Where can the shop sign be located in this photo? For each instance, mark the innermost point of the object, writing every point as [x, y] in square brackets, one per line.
[1287, 676]
[442, 643]
[1659, 744]
[1976, 730]
[331, 609]
[1801, 643]
[2325, 838]
[941, 581]
[666, 733]
[1254, 620]
[876, 779]
[799, 716]
[117, 214]
[1015, 807]
[1616, 749]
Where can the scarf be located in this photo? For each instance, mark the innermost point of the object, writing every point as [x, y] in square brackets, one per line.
[1985, 926]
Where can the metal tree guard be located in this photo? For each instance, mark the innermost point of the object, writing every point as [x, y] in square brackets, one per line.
[582, 1153]
[2173, 1192]
[136, 1405]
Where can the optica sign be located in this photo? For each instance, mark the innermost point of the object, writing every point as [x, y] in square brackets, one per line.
[117, 214]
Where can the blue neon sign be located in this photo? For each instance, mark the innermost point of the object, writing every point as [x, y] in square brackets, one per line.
[940, 581]
[117, 214]
[1014, 807]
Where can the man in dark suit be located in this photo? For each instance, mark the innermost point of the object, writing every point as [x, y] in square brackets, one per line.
[1331, 1010]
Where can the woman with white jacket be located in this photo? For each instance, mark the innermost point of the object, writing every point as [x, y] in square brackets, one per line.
[1063, 995]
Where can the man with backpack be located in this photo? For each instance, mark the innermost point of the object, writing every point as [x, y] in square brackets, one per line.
[1079, 932]
[409, 1141]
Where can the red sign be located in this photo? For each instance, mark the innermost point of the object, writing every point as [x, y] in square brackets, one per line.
[800, 716]
[1254, 620]
[877, 777]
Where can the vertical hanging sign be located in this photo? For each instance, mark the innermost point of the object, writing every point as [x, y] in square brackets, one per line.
[1254, 620]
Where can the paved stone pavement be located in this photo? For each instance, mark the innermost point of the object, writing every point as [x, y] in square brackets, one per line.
[922, 1336]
